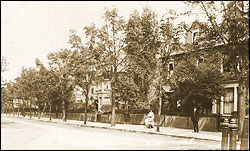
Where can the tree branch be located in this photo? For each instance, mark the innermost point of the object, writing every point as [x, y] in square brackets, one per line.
[215, 26]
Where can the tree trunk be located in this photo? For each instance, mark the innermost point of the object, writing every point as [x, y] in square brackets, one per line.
[30, 109]
[159, 111]
[8, 109]
[242, 97]
[13, 108]
[64, 111]
[50, 106]
[23, 107]
[18, 108]
[23, 111]
[39, 112]
[144, 90]
[56, 111]
[86, 105]
[113, 110]
[242, 106]
[113, 99]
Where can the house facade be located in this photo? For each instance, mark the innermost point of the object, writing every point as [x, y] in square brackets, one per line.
[229, 102]
[99, 92]
[102, 93]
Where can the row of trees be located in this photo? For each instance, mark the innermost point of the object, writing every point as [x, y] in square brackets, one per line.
[132, 54]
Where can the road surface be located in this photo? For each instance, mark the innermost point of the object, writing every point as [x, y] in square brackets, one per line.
[25, 134]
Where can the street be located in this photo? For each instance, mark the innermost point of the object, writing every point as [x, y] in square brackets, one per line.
[24, 134]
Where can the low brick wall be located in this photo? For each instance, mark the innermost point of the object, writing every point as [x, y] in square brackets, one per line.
[205, 123]
[176, 121]
[162, 120]
[137, 119]
[104, 119]
[208, 124]
[119, 118]
[74, 116]
[90, 117]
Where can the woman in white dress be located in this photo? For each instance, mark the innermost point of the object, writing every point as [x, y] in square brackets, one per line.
[149, 121]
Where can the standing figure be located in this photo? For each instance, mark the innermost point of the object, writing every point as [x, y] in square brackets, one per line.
[149, 121]
[195, 119]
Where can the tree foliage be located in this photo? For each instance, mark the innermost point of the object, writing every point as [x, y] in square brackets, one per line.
[199, 81]
[61, 66]
[142, 45]
[3, 64]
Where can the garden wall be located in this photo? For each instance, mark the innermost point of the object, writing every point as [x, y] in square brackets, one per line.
[205, 123]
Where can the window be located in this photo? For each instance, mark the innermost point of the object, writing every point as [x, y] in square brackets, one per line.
[170, 68]
[92, 90]
[195, 36]
[107, 86]
[200, 60]
[231, 64]
[100, 86]
[178, 104]
[214, 107]
[228, 67]
[100, 100]
[107, 100]
[228, 101]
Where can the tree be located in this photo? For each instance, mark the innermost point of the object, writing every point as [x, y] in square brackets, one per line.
[44, 88]
[61, 72]
[28, 85]
[84, 66]
[149, 44]
[18, 92]
[169, 42]
[233, 32]
[127, 91]
[39, 85]
[201, 82]
[142, 45]
[7, 96]
[3, 67]
[108, 50]
[3, 64]
[24, 87]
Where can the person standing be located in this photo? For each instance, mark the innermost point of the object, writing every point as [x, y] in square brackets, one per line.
[195, 119]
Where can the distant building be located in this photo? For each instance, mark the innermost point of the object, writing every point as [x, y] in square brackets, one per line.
[99, 91]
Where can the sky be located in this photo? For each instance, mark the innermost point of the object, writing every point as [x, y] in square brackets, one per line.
[32, 29]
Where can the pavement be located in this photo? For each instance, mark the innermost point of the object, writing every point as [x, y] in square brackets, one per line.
[167, 131]
[32, 134]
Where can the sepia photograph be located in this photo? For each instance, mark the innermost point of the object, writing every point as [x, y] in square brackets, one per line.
[124, 75]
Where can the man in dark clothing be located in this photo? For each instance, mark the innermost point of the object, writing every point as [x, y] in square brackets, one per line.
[195, 119]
